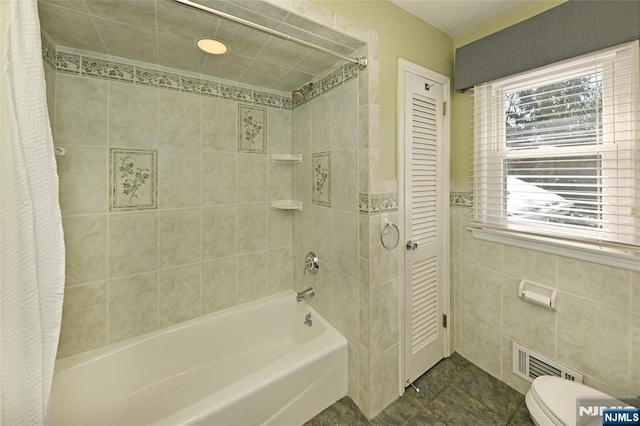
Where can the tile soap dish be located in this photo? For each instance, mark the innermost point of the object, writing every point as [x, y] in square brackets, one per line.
[286, 158]
[286, 205]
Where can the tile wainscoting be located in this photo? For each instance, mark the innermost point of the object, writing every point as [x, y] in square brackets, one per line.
[596, 329]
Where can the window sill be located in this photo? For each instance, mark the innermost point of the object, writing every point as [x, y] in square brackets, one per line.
[590, 253]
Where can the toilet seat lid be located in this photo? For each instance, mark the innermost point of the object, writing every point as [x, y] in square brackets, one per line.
[559, 396]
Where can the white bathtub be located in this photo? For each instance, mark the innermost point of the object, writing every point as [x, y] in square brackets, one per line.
[253, 364]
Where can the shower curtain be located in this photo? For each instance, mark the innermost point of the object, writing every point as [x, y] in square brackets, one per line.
[31, 241]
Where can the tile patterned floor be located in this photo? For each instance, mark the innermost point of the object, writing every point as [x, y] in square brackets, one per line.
[453, 392]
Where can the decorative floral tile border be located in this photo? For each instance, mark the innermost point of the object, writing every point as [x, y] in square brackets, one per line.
[335, 79]
[350, 72]
[461, 199]
[321, 178]
[67, 62]
[150, 77]
[202, 87]
[48, 51]
[377, 203]
[89, 66]
[287, 103]
[252, 129]
[106, 69]
[134, 177]
[268, 99]
[388, 202]
[98, 68]
[236, 93]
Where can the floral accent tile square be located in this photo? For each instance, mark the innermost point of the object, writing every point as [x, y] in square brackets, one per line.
[134, 177]
[321, 179]
[252, 129]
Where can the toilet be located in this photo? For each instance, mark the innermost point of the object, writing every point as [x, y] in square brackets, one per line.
[552, 401]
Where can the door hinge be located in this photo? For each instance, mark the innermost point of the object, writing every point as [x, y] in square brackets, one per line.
[444, 108]
[444, 320]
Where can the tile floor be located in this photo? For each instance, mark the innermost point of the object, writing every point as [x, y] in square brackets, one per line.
[453, 392]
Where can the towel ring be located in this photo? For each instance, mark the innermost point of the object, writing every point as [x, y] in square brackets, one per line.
[387, 231]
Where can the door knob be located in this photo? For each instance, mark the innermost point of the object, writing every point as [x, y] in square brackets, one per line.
[411, 246]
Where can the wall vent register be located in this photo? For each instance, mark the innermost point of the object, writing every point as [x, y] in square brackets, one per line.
[529, 365]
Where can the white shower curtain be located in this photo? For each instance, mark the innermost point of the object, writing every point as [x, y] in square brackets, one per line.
[31, 241]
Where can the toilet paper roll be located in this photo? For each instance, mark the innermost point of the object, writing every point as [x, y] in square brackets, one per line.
[536, 298]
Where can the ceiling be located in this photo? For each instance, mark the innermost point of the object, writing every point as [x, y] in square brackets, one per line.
[455, 17]
[164, 32]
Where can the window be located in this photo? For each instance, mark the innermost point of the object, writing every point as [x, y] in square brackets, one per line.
[556, 151]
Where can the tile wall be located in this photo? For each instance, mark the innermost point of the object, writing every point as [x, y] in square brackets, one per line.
[596, 329]
[211, 240]
[356, 286]
[325, 132]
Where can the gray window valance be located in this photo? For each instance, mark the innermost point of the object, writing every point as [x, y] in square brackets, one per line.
[566, 31]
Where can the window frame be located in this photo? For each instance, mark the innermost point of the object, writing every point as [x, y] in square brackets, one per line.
[585, 244]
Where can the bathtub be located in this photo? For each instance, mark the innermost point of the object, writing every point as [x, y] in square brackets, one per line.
[254, 364]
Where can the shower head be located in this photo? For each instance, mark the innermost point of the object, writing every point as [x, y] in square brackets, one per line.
[303, 93]
[297, 96]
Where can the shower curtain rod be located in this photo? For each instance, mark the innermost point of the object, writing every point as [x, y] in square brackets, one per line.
[360, 62]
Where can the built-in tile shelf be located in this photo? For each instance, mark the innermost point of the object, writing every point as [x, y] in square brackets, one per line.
[286, 158]
[286, 205]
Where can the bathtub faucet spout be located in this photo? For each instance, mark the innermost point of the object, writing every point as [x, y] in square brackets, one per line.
[305, 294]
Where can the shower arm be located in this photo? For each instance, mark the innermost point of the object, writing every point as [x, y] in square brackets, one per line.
[361, 63]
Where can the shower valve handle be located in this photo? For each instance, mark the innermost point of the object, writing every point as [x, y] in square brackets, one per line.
[311, 263]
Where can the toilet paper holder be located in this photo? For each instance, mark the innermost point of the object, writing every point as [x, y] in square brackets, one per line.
[538, 294]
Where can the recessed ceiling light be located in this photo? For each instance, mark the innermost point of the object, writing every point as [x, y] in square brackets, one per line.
[212, 46]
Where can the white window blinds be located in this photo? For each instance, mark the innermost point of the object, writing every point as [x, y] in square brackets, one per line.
[557, 151]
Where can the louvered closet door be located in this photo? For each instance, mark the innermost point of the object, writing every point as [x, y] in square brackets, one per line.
[424, 336]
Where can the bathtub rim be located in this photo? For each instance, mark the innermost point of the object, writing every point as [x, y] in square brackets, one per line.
[82, 358]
